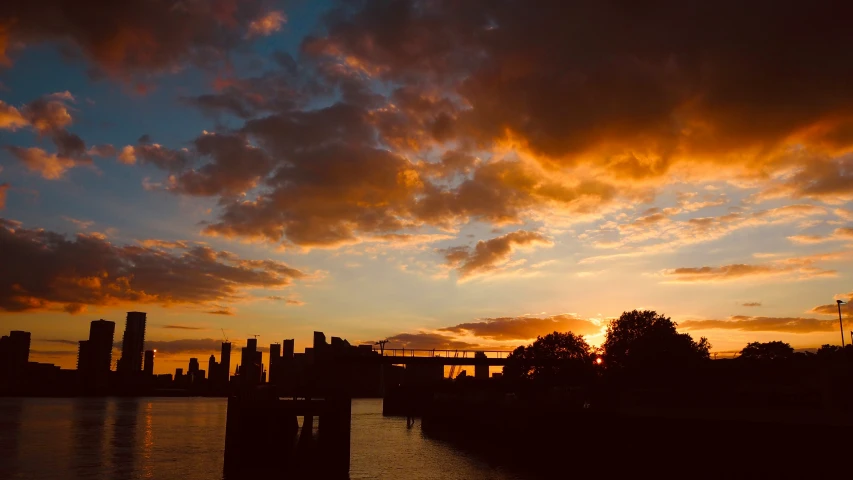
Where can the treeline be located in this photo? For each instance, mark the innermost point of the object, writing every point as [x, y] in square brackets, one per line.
[644, 352]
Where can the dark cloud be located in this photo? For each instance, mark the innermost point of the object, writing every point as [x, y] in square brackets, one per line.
[637, 87]
[490, 254]
[137, 36]
[191, 345]
[751, 304]
[428, 341]
[63, 342]
[523, 328]
[764, 324]
[45, 270]
[182, 327]
[4, 188]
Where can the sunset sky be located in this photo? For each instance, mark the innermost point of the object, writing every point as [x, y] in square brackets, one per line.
[441, 173]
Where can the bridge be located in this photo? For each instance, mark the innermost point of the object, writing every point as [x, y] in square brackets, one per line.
[409, 356]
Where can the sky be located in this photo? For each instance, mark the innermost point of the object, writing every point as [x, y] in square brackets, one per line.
[442, 174]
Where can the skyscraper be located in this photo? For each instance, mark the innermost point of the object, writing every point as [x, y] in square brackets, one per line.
[14, 355]
[275, 363]
[193, 368]
[225, 363]
[132, 343]
[148, 364]
[212, 369]
[95, 356]
[287, 349]
[250, 363]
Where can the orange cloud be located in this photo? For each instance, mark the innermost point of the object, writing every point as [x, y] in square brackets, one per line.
[49, 165]
[10, 117]
[523, 328]
[267, 24]
[490, 254]
[4, 188]
[801, 268]
[764, 324]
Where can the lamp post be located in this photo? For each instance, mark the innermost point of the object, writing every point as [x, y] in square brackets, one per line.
[840, 323]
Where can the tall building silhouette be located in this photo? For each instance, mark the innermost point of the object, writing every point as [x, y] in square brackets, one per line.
[132, 343]
[148, 364]
[275, 363]
[225, 363]
[212, 369]
[287, 349]
[251, 367]
[14, 355]
[95, 356]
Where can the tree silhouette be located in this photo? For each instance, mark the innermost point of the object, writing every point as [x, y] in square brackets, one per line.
[556, 358]
[646, 340]
[766, 351]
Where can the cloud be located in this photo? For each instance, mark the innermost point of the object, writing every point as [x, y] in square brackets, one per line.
[221, 310]
[645, 100]
[763, 324]
[182, 327]
[844, 233]
[488, 255]
[295, 303]
[80, 224]
[4, 189]
[523, 328]
[69, 274]
[801, 268]
[49, 165]
[63, 342]
[136, 36]
[190, 345]
[832, 309]
[267, 24]
[751, 304]
[127, 155]
[11, 118]
[428, 341]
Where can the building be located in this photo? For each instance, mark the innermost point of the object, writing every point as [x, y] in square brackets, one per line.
[251, 366]
[95, 356]
[287, 349]
[132, 343]
[14, 356]
[225, 363]
[148, 364]
[193, 368]
[275, 367]
[212, 368]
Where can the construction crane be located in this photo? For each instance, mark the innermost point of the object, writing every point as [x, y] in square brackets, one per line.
[256, 336]
[223, 335]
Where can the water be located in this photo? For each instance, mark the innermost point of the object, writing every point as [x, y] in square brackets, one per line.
[184, 438]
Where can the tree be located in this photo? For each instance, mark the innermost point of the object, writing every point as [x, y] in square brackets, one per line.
[646, 340]
[766, 351]
[556, 358]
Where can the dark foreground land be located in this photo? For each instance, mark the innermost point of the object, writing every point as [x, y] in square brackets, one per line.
[692, 442]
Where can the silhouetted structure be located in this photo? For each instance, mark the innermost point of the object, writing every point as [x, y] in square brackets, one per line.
[95, 357]
[148, 363]
[132, 343]
[251, 368]
[14, 355]
[275, 364]
[212, 369]
[225, 365]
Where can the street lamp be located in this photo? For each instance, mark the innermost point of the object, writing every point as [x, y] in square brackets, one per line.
[840, 323]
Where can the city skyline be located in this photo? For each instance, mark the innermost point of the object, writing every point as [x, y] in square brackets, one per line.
[274, 169]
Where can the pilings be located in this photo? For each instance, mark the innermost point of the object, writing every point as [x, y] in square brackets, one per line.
[261, 436]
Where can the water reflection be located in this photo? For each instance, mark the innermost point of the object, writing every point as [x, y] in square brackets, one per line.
[11, 412]
[123, 440]
[148, 442]
[88, 425]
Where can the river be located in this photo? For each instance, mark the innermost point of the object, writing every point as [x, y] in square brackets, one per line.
[184, 438]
